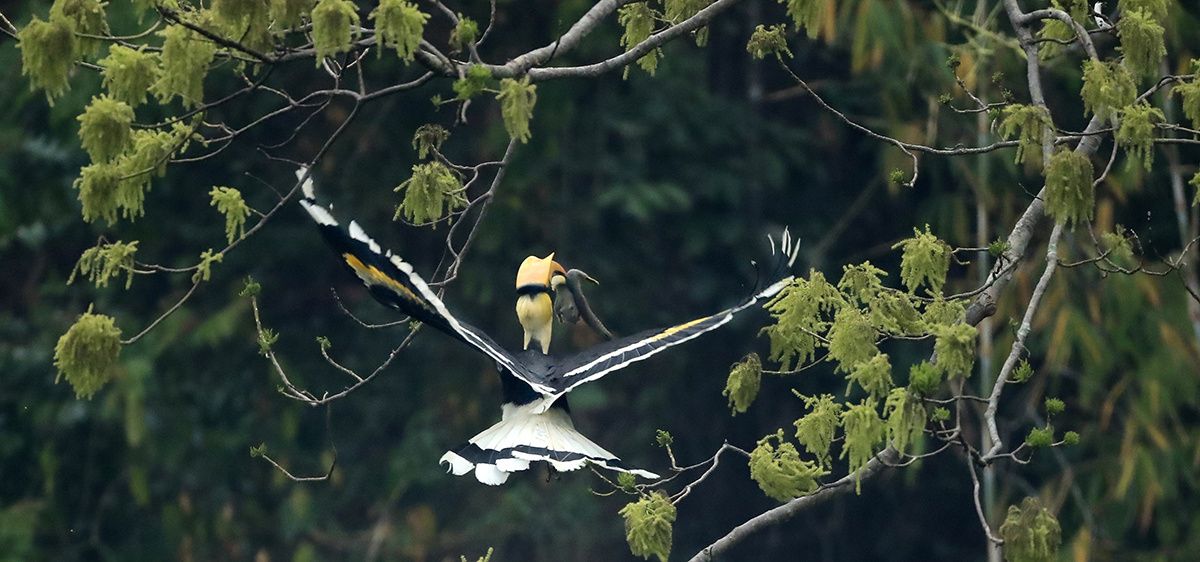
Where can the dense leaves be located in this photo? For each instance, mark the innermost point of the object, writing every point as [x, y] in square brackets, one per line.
[745, 377]
[925, 261]
[105, 261]
[1070, 195]
[1029, 124]
[400, 25]
[431, 192]
[129, 73]
[1031, 533]
[47, 53]
[649, 524]
[517, 98]
[779, 470]
[334, 25]
[104, 128]
[87, 355]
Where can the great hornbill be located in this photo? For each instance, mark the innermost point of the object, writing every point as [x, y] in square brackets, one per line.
[535, 422]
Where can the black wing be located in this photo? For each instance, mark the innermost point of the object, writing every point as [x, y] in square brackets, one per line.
[604, 358]
[392, 281]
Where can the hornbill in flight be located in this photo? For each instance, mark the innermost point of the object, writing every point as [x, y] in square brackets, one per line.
[535, 422]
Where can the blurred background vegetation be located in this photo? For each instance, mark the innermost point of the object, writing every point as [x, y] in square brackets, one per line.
[661, 187]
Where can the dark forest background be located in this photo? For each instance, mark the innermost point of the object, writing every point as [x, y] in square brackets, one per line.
[664, 189]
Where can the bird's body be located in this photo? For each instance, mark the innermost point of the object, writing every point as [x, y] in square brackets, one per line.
[535, 424]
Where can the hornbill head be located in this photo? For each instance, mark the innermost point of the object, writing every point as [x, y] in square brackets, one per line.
[537, 278]
[571, 305]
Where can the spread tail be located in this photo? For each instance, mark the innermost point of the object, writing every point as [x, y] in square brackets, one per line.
[522, 437]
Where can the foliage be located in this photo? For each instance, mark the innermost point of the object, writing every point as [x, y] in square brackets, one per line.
[105, 128]
[675, 11]
[1141, 41]
[86, 356]
[864, 432]
[1189, 95]
[464, 34]
[129, 73]
[229, 203]
[638, 21]
[745, 377]
[905, 415]
[863, 282]
[288, 13]
[955, 348]
[769, 40]
[816, 429]
[873, 375]
[1029, 124]
[941, 311]
[1156, 9]
[517, 98]
[851, 339]
[649, 523]
[926, 260]
[84, 17]
[924, 378]
[1031, 533]
[204, 267]
[1040, 437]
[334, 27]
[185, 59]
[796, 312]
[1023, 371]
[473, 82]
[399, 24]
[47, 54]
[806, 14]
[432, 191]
[1070, 195]
[99, 192]
[428, 139]
[1055, 406]
[780, 472]
[105, 261]
[1107, 87]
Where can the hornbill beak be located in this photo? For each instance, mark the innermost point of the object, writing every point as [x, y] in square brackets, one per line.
[571, 305]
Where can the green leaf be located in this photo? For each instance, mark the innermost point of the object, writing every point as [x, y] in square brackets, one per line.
[851, 339]
[429, 138]
[399, 25]
[955, 348]
[229, 203]
[1055, 406]
[638, 20]
[1070, 195]
[663, 438]
[98, 185]
[473, 82]
[1189, 95]
[266, 338]
[745, 377]
[517, 98]
[1029, 124]
[816, 429]
[649, 523]
[940, 414]
[1031, 533]
[676, 11]
[185, 59]
[1136, 133]
[806, 14]
[251, 288]
[864, 432]
[797, 313]
[464, 34]
[129, 73]
[924, 378]
[105, 261]
[334, 27]
[1107, 87]
[288, 13]
[258, 451]
[905, 415]
[779, 471]
[86, 356]
[47, 55]
[873, 375]
[1195, 182]
[1156, 8]
[105, 128]
[1023, 372]
[204, 268]
[864, 282]
[432, 191]
[1141, 41]
[925, 260]
[769, 41]
[1040, 437]
[85, 17]
[1070, 438]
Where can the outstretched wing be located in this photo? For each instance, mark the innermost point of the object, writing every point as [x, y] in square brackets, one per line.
[392, 281]
[602, 359]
